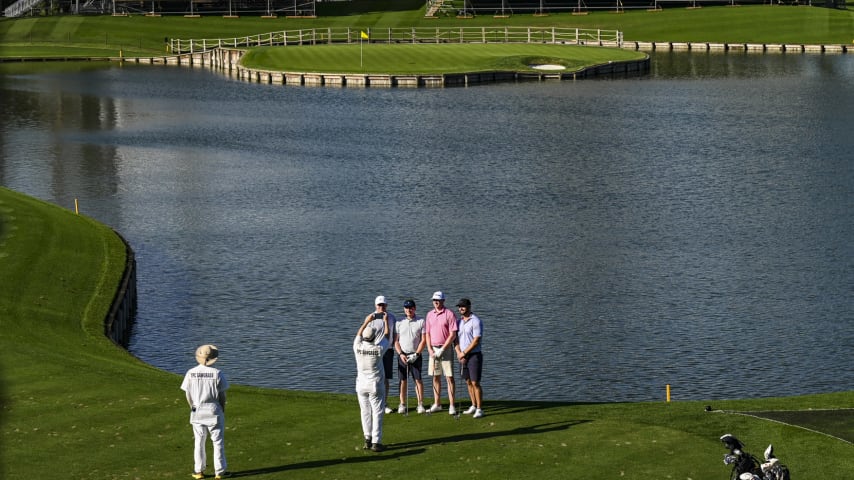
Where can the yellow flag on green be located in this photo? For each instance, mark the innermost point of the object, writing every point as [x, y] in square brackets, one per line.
[364, 35]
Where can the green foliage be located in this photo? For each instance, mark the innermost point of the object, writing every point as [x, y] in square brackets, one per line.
[76, 406]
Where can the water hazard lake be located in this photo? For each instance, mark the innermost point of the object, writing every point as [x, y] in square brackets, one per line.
[689, 227]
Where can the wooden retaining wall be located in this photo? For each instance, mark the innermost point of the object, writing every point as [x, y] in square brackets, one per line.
[228, 60]
[736, 47]
[119, 321]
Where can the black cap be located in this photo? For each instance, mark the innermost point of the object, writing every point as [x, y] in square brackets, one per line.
[464, 302]
[409, 303]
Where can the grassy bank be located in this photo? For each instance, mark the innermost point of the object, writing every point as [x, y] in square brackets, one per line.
[139, 35]
[76, 406]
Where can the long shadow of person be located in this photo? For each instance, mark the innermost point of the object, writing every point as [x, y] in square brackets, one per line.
[407, 449]
[526, 430]
[326, 463]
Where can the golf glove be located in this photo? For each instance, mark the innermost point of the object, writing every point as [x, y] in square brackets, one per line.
[411, 357]
[437, 352]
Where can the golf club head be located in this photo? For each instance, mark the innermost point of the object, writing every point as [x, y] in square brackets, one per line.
[732, 443]
[769, 453]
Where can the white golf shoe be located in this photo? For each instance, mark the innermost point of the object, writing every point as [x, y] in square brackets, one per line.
[469, 410]
[452, 410]
[435, 408]
[401, 409]
[421, 409]
[477, 413]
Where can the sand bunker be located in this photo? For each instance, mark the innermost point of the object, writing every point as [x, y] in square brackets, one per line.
[548, 66]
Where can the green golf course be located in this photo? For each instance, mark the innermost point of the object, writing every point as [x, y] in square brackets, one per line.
[77, 406]
[74, 405]
[432, 59]
[138, 35]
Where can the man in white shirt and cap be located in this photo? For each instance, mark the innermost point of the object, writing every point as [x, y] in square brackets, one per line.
[205, 388]
[383, 321]
[369, 347]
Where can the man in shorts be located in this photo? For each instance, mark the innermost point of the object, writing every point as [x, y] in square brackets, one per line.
[381, 320]
[470, 356]
[440, 333]
[409, 341]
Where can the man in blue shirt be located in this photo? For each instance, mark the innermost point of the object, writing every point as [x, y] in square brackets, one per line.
[469, 354]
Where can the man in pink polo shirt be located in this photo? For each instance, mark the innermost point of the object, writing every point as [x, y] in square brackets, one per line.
[440, 333]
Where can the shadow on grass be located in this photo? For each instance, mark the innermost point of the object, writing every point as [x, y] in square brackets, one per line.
[369, 457]
[508, 407]
[406, 449]
[836, 423]
[515, 432]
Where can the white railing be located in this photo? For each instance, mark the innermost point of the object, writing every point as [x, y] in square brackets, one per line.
[20, 7]
[572, 36]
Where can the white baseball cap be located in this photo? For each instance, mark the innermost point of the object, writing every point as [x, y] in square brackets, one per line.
[368, 334]
[380, 301]
[438, 296]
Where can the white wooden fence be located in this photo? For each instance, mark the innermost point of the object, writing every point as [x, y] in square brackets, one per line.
[315, 36]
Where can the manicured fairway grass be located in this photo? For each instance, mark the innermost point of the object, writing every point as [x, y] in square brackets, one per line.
[145, 35]
[74, 406]
[429, 59]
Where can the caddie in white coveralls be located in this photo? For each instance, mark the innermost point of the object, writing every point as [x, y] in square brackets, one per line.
[369, 347]
[205, 387]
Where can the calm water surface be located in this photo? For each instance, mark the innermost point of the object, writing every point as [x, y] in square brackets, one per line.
[692, 227]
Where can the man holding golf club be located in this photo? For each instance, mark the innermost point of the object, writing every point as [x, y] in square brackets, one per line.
[409, 341]
[440, 333]
[383, 321]
[369, 347]
[470, 356]
[205, 388]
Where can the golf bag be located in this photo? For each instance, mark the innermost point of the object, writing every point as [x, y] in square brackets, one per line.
[746, 467]
[772, 469]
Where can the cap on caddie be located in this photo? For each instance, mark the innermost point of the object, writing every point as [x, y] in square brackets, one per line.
[438, 296]
[409, 304]
[464, 302]
[380, 301]
[207, 355]
[368, 334]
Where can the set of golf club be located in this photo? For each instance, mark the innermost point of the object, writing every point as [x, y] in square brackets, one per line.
[747, 467]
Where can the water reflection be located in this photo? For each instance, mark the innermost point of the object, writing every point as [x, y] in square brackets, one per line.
[615, 235]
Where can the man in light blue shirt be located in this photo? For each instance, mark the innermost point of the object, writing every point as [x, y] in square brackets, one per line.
[469, 334]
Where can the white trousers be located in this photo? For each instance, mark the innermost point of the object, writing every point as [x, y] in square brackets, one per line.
[200, 456]
[372, 405]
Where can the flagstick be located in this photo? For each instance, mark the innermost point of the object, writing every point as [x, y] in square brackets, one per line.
[360, 51]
